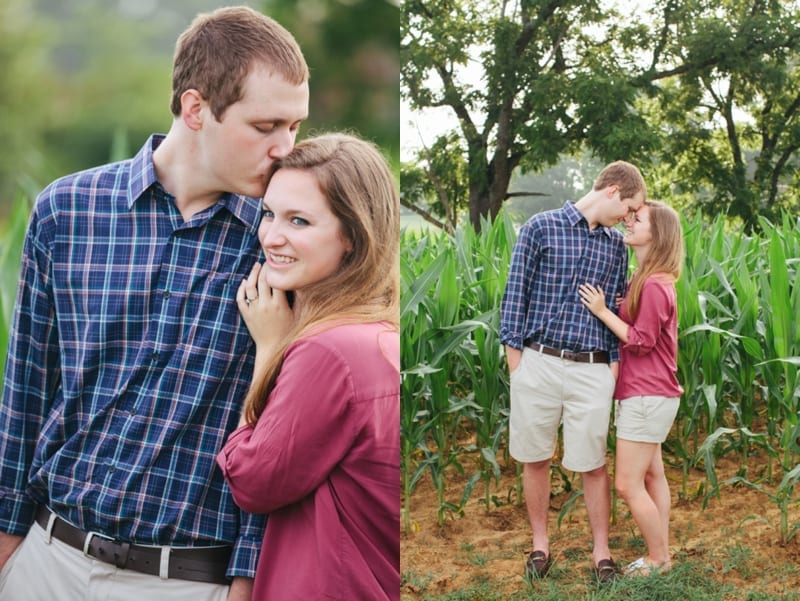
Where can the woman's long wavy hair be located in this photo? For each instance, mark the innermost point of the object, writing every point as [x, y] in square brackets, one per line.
[665, 255]
[362, 192]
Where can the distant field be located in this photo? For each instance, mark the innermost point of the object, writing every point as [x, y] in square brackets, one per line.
[412, 221]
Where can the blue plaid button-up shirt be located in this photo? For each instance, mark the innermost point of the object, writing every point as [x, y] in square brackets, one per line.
[128, 362]
[555, 252]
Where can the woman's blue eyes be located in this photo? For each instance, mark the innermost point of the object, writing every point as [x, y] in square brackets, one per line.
[268, 214]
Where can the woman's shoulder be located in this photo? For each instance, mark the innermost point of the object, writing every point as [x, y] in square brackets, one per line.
[365, 352]
[353, 333]
[351, 341]
[660, 285]
[660, 280]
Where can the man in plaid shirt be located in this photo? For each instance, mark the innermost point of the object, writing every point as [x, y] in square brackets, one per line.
[563, 361]
[128, 359]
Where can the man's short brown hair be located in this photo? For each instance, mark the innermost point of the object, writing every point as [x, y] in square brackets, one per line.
[217, 52]
[625, 175]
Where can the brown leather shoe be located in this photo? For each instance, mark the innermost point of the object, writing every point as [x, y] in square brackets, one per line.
[606, 571]
[538, 565]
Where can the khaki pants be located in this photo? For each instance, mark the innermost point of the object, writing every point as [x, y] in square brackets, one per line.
[54, 571]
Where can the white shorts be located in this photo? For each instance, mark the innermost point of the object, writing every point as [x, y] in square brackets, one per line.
[546, 391]
[645, 418]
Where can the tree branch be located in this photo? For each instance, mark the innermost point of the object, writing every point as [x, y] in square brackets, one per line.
[426, 215]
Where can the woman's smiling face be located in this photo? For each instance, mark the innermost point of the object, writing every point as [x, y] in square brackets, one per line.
[302, 239]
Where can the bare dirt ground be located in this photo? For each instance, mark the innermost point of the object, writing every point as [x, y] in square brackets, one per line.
[736, 536]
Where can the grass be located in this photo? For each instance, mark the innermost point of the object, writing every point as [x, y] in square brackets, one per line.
[691, 578]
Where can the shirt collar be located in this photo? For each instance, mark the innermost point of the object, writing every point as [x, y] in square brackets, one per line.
[143, 175]
[574, 217]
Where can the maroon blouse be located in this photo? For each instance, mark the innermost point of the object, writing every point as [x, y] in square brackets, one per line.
[649, 360]
[324, 462]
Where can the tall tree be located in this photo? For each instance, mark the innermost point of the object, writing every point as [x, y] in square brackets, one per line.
[441, 183]
[728, 102]
[552, 76]
[694, 88]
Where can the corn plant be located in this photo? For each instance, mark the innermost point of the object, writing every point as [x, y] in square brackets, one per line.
[483, 263]
[431, 422]
[455, 385]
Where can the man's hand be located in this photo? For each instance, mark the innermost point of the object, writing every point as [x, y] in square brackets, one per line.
[241, 589]
[8, 544]
[513, 356]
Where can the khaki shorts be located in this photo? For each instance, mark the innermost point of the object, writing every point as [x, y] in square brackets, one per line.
[40, 569]
[645, 418]
[546, 391]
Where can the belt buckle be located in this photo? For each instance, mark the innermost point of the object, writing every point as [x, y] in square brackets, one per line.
[570, 355]
[88, 541]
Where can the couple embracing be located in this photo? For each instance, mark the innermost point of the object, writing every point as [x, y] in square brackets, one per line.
[570, 355]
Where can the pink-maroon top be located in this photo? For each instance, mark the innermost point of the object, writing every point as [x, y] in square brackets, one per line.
[649, 360]
[324, 462]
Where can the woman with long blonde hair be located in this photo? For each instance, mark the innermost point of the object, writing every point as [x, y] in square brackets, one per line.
[318, 448]
[647, 390]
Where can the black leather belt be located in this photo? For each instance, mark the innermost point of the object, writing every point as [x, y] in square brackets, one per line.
[199, 564]
[590, 357]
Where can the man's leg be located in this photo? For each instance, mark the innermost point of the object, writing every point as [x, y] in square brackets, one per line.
[587, 412]
[533, 425]
[597, 495]
[536, 483]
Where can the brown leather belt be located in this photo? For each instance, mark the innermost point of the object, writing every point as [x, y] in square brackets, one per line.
[590, 357]
[199, 564]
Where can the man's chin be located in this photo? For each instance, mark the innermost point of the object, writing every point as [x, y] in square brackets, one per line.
[254, 191]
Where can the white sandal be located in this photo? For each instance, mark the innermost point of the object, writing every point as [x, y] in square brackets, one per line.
[641, 567]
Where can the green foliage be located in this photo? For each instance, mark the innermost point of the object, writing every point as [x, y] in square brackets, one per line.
[21, 97]
[451, 359]
[11, 242]
[75, 73]
[441, 188]
[352, 49]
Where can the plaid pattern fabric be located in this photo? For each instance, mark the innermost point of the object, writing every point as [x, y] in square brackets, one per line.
[555, 252]
[128, 362]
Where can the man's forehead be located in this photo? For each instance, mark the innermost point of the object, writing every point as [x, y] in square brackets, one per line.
[637, 202]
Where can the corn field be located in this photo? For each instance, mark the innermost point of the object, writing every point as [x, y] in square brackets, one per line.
[739, 349]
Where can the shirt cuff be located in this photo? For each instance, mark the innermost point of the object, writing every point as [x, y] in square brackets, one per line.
[514, 341]
[244, 557]
[16, 513]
